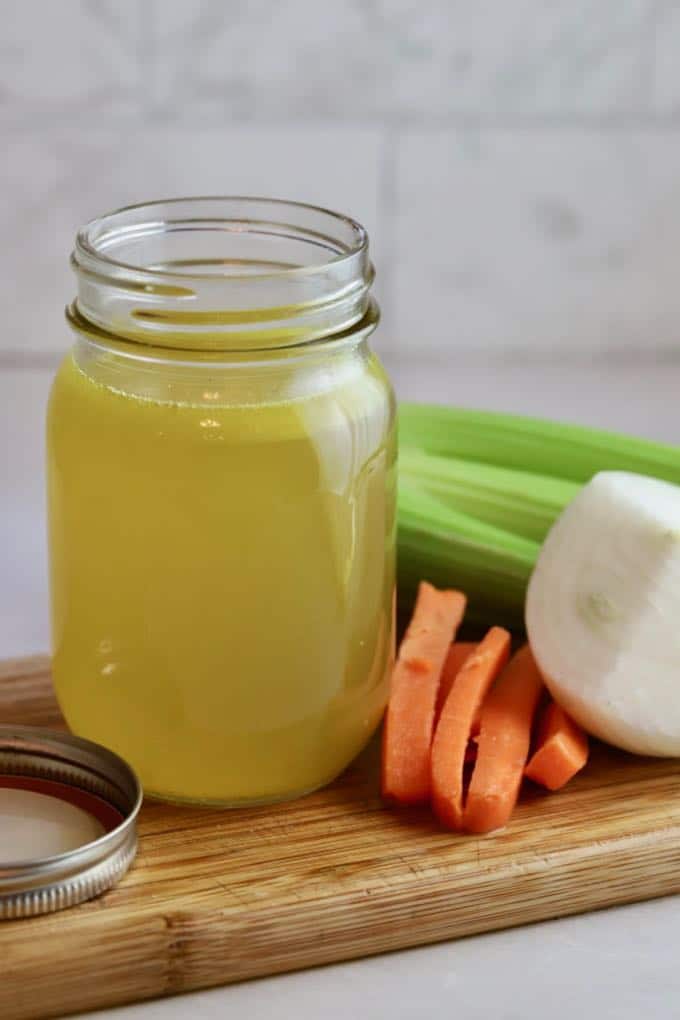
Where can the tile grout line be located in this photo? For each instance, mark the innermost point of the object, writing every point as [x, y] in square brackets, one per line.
[146, 57]
[650, 122]
[648, 62]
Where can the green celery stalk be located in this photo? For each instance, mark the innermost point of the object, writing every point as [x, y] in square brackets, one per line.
[531, 444]
[515, 501]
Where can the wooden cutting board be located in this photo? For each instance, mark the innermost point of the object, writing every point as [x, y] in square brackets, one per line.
[218, 896]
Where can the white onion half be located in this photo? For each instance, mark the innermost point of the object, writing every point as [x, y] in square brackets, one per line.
[603, 612]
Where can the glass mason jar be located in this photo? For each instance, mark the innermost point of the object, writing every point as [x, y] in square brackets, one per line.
[221, 481]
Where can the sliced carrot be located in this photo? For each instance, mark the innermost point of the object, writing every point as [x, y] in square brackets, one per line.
[409, 721]
[455, 723]
[504, 738]
[561, 749]
[457, 655]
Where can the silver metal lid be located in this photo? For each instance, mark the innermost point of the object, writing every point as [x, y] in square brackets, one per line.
[89, 776]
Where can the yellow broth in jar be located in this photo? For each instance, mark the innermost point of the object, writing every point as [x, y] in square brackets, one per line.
[222, 572]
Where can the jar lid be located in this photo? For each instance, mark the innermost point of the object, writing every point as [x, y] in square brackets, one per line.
[74, 834]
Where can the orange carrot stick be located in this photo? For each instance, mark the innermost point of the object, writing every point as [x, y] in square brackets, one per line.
[561, 749]
[409, 721]
[504, 738]
[455, 723]
[457, 655]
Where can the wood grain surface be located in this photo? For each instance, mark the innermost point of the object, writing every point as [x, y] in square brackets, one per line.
[219, 896]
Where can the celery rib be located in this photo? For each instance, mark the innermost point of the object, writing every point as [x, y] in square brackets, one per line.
[570, 452]
[513, 500]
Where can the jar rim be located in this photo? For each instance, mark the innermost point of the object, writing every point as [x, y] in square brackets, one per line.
[84, 237]
[223, 272]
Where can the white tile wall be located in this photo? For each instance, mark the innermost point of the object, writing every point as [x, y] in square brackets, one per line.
[516, 164]
[559, 241]
[397, 58]
[62, 59]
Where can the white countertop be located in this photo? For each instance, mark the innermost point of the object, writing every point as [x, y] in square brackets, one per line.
[618, 963]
